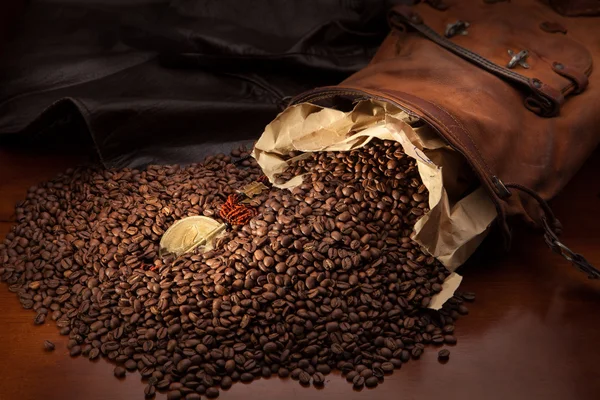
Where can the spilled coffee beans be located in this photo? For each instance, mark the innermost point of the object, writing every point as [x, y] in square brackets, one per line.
[444, 354]
[49, 346]
[323, 277]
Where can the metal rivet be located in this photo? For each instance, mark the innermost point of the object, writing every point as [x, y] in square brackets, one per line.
[416, 18]
[558, 66]
[537, 83]
[518, 59]
[501, 189]
[459, 27]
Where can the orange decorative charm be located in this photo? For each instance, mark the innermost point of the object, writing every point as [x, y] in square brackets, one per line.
[235, 213]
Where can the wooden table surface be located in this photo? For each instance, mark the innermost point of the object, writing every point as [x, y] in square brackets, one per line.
[532, 333]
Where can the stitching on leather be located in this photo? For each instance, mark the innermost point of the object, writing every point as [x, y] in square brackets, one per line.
[427, 31]
[483, 163]
[324, 96]
[499, 208]
[483, 62]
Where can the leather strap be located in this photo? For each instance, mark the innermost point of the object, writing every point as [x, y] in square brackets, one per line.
[579, 79]
[542, 99]
[541, 104]
[576, 259]
[552, 229]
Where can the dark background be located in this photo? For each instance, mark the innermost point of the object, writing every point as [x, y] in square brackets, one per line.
[154, 81]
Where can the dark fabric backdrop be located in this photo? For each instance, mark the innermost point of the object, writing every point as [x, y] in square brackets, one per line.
[170, 81]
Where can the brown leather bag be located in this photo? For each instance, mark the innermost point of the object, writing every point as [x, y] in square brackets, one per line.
[507, 84]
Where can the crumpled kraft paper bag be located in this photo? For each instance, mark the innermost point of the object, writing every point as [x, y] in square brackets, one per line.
[456, 223]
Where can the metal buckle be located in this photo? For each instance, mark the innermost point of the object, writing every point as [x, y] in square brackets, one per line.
[518, 59]
[501, 189]
[556, 245]
[563, 250]
[459, 27]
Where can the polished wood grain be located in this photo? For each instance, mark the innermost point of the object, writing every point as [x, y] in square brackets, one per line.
[532, 333]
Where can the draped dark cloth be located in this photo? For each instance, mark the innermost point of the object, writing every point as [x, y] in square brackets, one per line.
[170, 81]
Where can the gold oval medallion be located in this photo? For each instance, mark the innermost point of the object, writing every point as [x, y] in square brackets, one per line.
[189, 233]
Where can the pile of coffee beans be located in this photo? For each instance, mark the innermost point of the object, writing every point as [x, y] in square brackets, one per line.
[324, 277]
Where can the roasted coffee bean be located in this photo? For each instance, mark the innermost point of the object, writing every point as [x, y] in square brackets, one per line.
[75, 351]
[468, 296]
[318, 379]
[226, 382]
[350, 375]
[239, 347]
[174, 395]
[175, 386]
[39, 319]
[304, 378]
[405, 355]
[208, 380]
[295, 374]
[358, 382]
[120, 372]
[444, 354]
[162, 384]
[94, 353]
[323, 368]
[266, 372]
[183, 365]
[387, 367]
[378, 372]
[48, 345]
[448, 329]
[416, 352]
[322, 276]
[437, 339]
[212, 392]
[332, 327]
[371, 382]
[269, 347]
[201, 389]
[449, 339]
[130, 365]
[149, 391]
[366, 373]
